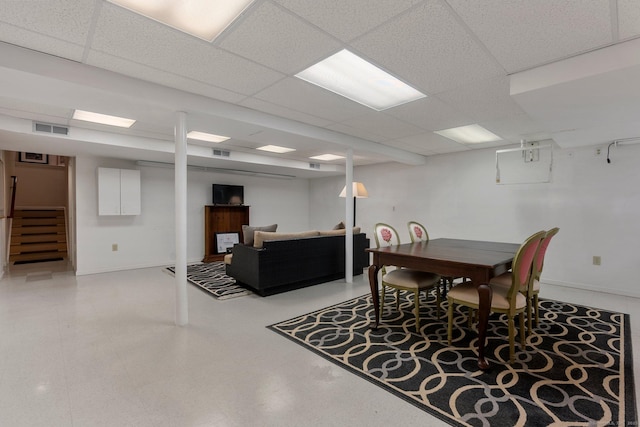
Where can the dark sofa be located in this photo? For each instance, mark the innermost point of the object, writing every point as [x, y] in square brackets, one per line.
[284, 265]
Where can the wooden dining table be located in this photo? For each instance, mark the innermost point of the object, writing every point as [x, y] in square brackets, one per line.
[476, 260]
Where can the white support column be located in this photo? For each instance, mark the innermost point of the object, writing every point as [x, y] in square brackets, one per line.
[348, 241]
[182, 303]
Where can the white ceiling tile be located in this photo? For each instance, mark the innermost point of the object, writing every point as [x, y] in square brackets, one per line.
[267, 107]
[158, 46]
[22, 109]
[347, 19]
[515, 128]
[428, 49]
[357, 132]
[143, 72]
[522, 34]
[429, 113]
[628, 18]
[40, 43]
[485, 100]
[67, 20]
[435, 143]
[274, 37]
[299, 95]
[408, 146]
[380, 124]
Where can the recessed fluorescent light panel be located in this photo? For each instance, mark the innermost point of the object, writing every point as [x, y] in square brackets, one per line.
[203, 136]
[102, 119]
[276, 149]
[471, 134]
[352, 77]
[204, 19]
[327, 157]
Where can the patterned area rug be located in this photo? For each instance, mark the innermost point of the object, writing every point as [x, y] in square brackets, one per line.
[577, 368]
[211, 278]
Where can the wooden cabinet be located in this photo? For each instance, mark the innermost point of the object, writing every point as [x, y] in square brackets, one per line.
[222, 219]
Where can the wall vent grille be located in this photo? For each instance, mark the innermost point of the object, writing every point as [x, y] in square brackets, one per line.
[314, 165]
[221, 153]
[50, 128]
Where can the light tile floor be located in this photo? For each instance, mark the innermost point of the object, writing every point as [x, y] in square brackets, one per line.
[103, 350]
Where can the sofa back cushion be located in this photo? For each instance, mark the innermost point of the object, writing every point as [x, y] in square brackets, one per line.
[262, 236]
[248, 232]
[341, 232]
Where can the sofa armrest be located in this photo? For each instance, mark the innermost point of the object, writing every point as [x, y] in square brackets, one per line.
[245, 263]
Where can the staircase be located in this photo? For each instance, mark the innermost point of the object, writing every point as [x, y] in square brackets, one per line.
[38, 235]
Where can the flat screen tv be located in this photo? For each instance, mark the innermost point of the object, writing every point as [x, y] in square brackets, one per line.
[224, 194]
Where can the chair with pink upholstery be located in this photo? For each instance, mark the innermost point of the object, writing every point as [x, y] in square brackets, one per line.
[404, 279]
[417, 233]
[533, 291]
[537, 271]
[508, 300]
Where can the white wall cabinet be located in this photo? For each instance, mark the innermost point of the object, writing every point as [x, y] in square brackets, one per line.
[118, 191]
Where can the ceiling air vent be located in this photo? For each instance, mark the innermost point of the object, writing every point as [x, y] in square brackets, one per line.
[49, 128]
[221, 153]
[314, 165]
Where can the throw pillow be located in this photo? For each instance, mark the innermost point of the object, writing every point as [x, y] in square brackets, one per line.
[248, 232]
[339, 226]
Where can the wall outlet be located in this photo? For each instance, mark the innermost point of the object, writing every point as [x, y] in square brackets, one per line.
[597, 260]
[114, 247]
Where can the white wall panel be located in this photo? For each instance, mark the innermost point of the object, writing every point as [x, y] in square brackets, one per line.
[595, 204]
[147, 239]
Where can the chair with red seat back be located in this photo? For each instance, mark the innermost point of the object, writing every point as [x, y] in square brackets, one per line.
[508, 300]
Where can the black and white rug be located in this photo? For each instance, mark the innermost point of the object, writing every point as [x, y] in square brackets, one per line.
[577, 368]
[211, 278]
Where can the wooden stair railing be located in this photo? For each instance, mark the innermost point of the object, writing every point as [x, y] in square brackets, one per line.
[14, 187]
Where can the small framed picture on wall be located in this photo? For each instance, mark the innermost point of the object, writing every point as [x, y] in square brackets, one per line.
[33, 158]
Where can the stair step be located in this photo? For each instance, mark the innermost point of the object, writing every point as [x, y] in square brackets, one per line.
[38, 256]
[31, 221]
[37, 247]
[38, 238]
[42, 229]
[38, 213]
[38, 235]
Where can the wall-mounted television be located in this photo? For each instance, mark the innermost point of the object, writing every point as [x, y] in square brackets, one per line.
[224, 194]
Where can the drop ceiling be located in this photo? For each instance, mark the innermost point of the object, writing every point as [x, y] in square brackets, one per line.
[541, 69]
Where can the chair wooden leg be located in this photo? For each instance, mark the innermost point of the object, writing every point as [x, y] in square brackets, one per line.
[529, 315]
[416, 297]
[522, 331]
[512, 339]
[535, 308]
[450, 321]
[438, 301]
[470, 317]
[382, 295]
[397, 299]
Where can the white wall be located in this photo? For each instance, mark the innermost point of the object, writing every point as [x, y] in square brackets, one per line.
[149, 239]
[595, 204]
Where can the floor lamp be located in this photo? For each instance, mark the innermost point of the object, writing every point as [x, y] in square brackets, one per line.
[359, 192]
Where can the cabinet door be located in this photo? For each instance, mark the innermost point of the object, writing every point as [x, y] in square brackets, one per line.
[129, 192]
[108, 191]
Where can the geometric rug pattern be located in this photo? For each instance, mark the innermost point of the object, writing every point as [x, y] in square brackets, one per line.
[577, 367]
[211, 277]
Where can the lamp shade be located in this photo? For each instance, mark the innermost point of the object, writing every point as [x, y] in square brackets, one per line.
[358, 191]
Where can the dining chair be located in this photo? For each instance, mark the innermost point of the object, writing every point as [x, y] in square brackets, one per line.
[417, 233]
[533, 291]
[404, 279]
[507, 300]
[537, 271]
